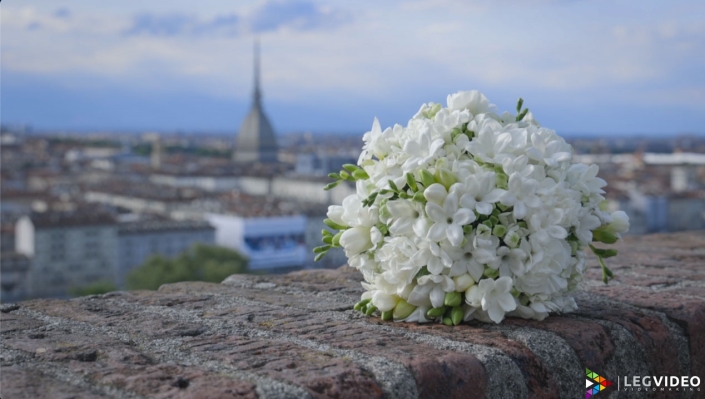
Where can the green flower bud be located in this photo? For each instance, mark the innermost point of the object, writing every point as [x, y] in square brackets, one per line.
[370, 309]
[445, 177]
[331, 186]
[336, 239]
[426, 177]
[360, 175]
[322, 248]
[325, 233]
[456, 315]
[520, 103]
[448, 321]
[418, 197]
[431, 113]
[319, 256]
[453, 299]
[327, 240]
[524, 300]
[467, 229]
[493, 220]
[403, 309]
[490, 272]
[604, 236]
[361, 304]
[499, 230]
[388, 315]
[436, 312]
[350, 167]
[515, 292]
[333, 225]
[344, 174]
[502, 181]
[334, 176]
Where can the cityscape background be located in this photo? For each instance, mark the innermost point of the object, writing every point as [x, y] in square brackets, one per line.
[137, 129]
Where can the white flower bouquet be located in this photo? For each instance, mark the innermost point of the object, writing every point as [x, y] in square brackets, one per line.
[466, 214]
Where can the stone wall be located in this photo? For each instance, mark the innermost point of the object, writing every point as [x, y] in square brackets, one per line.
[296, 336]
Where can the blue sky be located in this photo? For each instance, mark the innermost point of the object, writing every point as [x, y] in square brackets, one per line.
[583, 67]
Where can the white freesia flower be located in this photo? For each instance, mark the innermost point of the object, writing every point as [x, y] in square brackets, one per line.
[480, 193]
[521, 194]
[494, 297]
[431, 288]
[448, 221]
[479, 212]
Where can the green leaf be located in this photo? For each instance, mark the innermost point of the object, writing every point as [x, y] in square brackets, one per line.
[422, 272]
[411, 182]
[522, 114]
[393, 186]
[520, 103]
[603, 253]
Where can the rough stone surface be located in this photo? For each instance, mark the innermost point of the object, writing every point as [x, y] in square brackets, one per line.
[295, 336]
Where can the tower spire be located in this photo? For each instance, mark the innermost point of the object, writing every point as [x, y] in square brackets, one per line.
[257, 94]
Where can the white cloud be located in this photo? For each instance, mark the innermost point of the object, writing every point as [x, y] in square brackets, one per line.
[369, 50]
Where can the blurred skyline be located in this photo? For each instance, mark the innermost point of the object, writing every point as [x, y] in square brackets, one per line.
[582, 67]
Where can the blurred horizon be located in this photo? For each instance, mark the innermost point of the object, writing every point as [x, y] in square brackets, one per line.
[583, 68]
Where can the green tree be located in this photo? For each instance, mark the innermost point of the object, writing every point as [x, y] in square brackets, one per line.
[200, 263]
[97, 288]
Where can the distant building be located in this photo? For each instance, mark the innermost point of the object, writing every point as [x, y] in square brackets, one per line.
[14, 285]
[270, 242]
[136, 241]
[67, 249]
[321, 164]
[256, 141]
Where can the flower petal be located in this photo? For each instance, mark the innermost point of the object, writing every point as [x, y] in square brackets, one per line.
[463, 216]
[436, 213]
[455, 234]
[506, 301]
[437, 232]
[436, 193]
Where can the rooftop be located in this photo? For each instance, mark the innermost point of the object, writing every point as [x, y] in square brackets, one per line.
[149, 226]
[81, 217]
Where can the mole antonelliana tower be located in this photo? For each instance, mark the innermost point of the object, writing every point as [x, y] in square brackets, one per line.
[256, 141]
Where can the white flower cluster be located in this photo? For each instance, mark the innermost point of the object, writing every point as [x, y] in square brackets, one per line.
[466, 214]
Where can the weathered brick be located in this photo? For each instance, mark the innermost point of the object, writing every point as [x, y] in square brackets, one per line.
[20, 383]
[227, 340]
[689, 313]
[537, 378]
